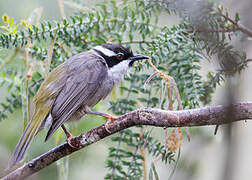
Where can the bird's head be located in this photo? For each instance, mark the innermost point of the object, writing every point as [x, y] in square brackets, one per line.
[118, 55]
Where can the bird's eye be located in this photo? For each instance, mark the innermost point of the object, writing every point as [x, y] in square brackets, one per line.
[119, 56]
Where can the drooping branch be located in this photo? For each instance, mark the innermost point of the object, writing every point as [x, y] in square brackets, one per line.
[238, 25]
[214, 115]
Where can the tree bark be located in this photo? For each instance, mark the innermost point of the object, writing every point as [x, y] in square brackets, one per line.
[214, 115]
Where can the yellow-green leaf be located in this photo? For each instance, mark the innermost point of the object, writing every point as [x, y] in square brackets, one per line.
[6, 18]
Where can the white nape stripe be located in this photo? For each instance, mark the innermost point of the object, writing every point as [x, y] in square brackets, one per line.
[105, 51]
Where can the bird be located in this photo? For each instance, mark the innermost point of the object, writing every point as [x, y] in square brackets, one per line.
[73, 88]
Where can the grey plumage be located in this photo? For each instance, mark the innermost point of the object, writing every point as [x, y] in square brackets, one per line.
[74, 87]
[84, 78]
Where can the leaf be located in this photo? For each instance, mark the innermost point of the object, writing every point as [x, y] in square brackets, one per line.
[4, 27]
[10, 86]
[150, 174]
[6, 19]
[237, 18]
[154, 170]
[63, 168]
[113, 94]
[12, 21]
[14, 31]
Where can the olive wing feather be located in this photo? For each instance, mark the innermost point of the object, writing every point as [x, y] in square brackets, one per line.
[43, 100]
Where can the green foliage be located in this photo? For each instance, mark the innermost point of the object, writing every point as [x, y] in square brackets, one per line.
[13, 84]
[176, 50]
[127, 162]
[153, 171]
[212, 30]
[180, 58]
[9, 25]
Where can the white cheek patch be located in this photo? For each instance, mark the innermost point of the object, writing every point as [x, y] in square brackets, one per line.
[105, 51]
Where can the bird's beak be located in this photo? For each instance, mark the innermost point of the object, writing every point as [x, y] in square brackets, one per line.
[137, 57]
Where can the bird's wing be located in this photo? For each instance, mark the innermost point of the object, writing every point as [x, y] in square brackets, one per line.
[83, 82]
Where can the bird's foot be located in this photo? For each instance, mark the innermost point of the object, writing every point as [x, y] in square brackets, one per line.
[70, 138]
[71, 143]
[109, 119]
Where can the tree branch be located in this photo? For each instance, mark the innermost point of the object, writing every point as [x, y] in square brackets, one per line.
[238, 25]
[214, 115]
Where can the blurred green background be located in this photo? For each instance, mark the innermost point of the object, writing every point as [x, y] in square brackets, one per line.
[202, 158]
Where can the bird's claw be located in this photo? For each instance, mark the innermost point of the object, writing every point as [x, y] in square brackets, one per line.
[109, 119]
[70, 138]
[71, 143]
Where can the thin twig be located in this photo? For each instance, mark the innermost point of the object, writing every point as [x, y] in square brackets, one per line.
[61, 7]
[138, 42]
[175, 167]
[238, 25]
[49, 59]
[142, 152]
[212, 31]
[149, 79]
[170, 82]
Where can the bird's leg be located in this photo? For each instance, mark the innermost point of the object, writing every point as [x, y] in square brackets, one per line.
[109, 118]
[216, 129]
[69, 137]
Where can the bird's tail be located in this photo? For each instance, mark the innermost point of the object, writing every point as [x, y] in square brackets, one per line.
[24, 142]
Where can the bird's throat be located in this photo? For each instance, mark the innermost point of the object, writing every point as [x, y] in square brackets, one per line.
[117, 72]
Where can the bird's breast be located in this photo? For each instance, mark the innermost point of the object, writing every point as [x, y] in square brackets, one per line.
[102, 92]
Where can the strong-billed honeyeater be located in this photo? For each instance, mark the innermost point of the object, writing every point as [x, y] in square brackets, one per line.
[73, 88]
